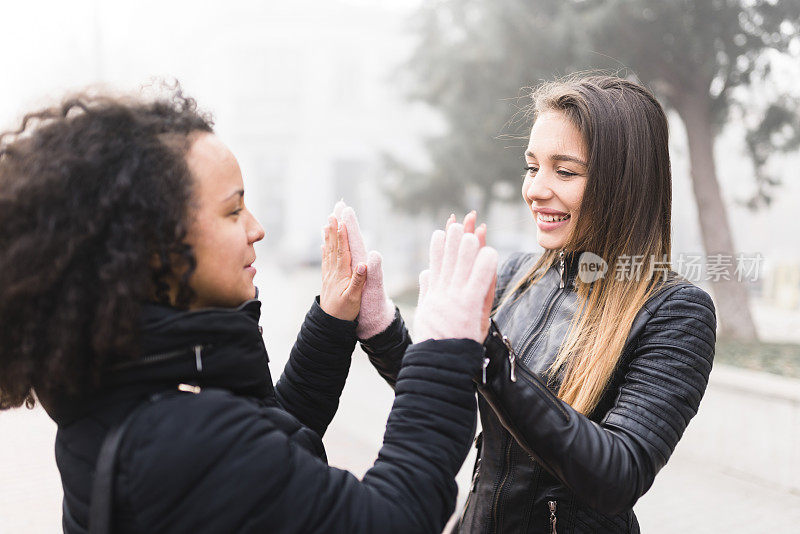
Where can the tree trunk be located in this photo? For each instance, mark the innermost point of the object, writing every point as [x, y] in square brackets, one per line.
[731, 297]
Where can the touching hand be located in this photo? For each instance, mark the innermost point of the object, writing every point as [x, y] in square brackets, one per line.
[377, 309]
[342, 285]
[455, 289]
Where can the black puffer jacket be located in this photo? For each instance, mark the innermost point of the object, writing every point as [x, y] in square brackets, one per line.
[542, 466]
[242, 456]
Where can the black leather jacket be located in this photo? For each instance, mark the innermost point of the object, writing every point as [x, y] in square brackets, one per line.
[542, 466]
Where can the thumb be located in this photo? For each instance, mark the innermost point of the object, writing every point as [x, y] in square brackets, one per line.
[357, 280]
[374, 268]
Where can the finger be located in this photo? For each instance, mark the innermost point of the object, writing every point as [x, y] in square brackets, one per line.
[451, 244]
[358, 252]
[436, 254]
[483, 272]
[324, 249]
[343, 266]
[469, 222]
[467, 251]
[357, 280]
[450, 220]
[424, 284]
[338, 208]
[480, 233]
[487, 307]
[331, 240]
[375, 270]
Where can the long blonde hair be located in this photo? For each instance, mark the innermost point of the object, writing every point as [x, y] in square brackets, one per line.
[624, 219]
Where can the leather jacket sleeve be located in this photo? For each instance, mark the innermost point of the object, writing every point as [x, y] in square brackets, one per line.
[610, 464]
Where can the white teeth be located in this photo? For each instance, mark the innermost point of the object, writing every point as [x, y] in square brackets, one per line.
[552, 218]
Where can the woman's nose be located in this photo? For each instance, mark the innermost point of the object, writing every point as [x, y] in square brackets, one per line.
[255, 231]
[538, 188]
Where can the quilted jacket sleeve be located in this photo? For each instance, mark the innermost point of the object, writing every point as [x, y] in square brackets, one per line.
[318, 365]
[611, 464]
[215, 462]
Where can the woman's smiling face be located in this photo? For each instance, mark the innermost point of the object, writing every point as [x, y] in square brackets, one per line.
[222, 231]
[556, 165]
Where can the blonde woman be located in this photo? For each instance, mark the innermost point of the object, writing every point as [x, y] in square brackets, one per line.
[599, 353]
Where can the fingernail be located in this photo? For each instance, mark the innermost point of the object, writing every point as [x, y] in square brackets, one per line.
[361, 269]
[473, 212]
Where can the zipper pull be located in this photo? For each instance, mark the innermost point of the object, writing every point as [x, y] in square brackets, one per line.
[198, 360]
[512, 359]
[486, 361]
[475, 475]
[552, 505]
[189, 388]
[561, 267]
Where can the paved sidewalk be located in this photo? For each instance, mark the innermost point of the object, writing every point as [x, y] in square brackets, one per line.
[687, 497]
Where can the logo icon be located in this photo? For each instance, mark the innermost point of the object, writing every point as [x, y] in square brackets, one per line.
[591, 267]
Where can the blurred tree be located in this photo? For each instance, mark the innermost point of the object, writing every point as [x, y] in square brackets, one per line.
[701, 57]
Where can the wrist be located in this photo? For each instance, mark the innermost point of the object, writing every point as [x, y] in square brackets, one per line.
[375, 317]
[343, 327]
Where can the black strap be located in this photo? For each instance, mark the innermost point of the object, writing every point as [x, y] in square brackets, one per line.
[102, 503]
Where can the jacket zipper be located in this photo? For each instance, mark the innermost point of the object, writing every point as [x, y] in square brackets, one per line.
[512, 356]
[163, 356]
[552, 506]
[499, 489]
[536, 382]
[531, 334]
[540, 325]
[534, 340]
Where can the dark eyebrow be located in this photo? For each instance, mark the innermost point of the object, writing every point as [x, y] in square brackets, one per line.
[240, 192]
[559, 157]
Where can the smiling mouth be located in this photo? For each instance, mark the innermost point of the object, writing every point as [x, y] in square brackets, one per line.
[552, 218]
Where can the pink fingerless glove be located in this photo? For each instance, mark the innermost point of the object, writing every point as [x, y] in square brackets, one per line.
[377, 309]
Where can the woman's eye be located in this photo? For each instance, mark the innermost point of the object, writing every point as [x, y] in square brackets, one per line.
[236, 212]
[563, 172]
[532, 169]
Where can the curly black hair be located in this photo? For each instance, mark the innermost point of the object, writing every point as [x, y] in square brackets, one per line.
[94, 197]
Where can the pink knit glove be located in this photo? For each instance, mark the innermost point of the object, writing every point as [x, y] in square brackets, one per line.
[457, 290]
[377, 309]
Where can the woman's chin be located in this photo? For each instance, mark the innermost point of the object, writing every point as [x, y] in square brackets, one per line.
[549, 242]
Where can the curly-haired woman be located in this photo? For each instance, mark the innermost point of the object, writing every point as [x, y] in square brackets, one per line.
[600, 354]
[128, 309]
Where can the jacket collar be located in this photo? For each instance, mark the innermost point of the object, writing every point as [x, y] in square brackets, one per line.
[210, 348]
